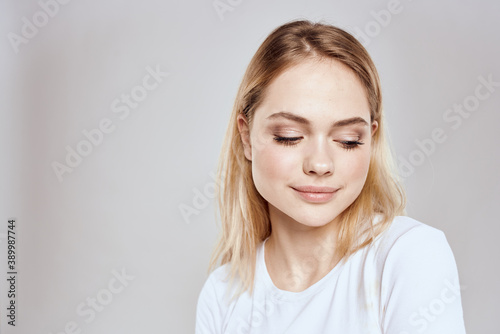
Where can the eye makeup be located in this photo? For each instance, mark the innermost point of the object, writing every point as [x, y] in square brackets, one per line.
[292, 141]
[287, 141]
[348, 133]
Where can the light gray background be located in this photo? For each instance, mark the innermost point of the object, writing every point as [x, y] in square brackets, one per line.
[120, 209]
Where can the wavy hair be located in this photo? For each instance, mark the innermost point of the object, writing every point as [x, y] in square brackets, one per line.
[243, 211]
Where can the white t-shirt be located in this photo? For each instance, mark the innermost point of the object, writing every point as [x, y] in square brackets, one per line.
[405, 282]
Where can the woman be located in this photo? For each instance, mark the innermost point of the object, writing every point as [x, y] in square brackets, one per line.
[313, 238]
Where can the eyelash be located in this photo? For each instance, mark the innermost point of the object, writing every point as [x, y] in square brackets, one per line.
[291, 141]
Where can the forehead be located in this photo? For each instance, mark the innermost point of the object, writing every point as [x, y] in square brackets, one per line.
[314, 88]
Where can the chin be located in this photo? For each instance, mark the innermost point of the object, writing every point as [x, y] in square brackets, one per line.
[306, 214]
[312, 218]
[317, 222]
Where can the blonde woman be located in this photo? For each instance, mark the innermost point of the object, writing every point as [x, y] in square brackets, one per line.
[313, 235]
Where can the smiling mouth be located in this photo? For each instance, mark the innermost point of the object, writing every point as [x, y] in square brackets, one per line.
[315, 194]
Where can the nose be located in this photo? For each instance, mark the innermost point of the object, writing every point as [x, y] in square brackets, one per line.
[318, 159]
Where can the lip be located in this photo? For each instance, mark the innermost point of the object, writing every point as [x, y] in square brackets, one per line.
[315, 194]
[314, 189]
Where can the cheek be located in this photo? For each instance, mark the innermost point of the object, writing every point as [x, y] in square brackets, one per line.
[354, 166]
[272, 163]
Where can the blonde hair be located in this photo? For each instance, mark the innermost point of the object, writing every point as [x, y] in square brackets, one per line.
[243, 211]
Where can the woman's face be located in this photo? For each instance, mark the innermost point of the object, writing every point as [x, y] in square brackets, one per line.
[310, 142]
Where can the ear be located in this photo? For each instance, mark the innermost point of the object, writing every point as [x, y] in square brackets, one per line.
[374, 127]
[244, 130]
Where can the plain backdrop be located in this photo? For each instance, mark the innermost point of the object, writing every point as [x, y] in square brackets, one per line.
[121, 210]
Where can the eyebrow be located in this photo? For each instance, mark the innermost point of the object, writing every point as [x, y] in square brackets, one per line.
[302, 120]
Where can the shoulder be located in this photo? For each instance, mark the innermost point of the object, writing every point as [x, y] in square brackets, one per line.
[419, 279]
[215, 285]
[210, 307]
[410, 247]
[406, 230]
[405, 237]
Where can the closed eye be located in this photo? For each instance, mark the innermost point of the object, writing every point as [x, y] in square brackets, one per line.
[350, 144]
[289, 141]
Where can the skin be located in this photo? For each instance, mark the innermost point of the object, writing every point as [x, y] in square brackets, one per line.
[301, 248]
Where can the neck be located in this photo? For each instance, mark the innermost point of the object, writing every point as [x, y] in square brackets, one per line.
[297, 256]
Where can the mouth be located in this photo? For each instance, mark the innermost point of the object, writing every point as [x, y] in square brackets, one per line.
[315, 194]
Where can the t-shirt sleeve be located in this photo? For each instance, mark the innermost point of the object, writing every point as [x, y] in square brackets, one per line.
[420, 285]
[207, 310]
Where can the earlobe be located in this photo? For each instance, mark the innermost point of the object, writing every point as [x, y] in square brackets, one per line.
[244, 130]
